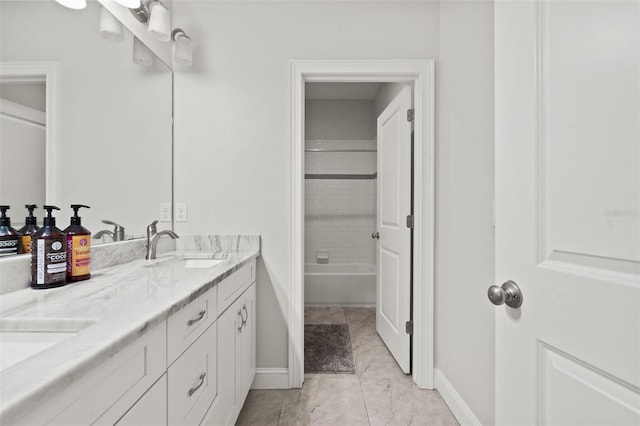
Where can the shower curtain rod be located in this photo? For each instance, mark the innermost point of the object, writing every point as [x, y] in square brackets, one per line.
[340, 176]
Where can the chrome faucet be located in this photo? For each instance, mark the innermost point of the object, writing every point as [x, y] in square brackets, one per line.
[116, 235]
[153, 236]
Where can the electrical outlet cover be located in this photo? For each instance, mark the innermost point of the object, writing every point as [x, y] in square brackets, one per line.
[181, 212]
[165, 212]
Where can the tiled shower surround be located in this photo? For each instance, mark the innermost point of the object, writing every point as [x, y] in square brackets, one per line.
[340, 213]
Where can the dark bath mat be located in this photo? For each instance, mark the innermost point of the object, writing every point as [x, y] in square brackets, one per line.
[327, 349]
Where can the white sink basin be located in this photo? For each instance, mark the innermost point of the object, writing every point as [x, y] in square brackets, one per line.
[21, 338]
[190, 261]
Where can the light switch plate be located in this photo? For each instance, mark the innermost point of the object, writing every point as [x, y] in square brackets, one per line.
[165, 212]
[181, 212]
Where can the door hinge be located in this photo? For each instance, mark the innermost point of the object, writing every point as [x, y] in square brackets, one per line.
[410, 221]
[408, 326]
[410, 115]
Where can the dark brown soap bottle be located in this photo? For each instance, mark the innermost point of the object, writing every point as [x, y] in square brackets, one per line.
[78, 248]
[48, 254]
[9, 237]
[29, 228]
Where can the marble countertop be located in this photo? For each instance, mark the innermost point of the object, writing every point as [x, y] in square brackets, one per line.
[118, 304]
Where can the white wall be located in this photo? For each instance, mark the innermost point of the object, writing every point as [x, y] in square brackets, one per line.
[232, 153]
[339, 119]
[386, 93]
[464, 194]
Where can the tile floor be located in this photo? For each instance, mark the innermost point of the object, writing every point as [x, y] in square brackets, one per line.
[378, 394]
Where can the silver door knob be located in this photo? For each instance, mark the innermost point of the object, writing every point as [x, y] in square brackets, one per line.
[509, 293]
[375, 236]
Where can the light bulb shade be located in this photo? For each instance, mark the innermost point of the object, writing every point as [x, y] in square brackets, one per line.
[159, 22]
[110, 27]
[182, 51]
[73, 4]
[141, 53]
[130, 4]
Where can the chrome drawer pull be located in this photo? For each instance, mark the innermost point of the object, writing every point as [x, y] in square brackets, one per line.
[244, 319]
[195, 320]
[241, 321]
[194, 390]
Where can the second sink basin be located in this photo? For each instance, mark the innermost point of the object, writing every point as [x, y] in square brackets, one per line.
[21, 338]
[190, 261]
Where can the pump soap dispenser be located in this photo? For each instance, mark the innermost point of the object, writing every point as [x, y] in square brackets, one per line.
[48, 254]
[30, 227]
[78, 248]
[9, 237]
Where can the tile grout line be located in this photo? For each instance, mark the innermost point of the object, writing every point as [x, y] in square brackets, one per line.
[358, 373]
[282, 406]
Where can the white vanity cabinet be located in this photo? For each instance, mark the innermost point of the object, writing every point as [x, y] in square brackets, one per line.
[194, 368]
[236, 345]
[103, 395]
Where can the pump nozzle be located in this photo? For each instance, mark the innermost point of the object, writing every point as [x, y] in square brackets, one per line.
[50, 220]
[4, 220]
[31, 219]
[75, 219]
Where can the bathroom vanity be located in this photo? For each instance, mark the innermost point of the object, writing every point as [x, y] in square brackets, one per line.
[168, 341]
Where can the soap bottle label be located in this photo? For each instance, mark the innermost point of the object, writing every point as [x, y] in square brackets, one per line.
[79, 255]
[50, 261]
[26, 243]
[9, 246]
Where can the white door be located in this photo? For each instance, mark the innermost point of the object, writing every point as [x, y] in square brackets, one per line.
[394, 245]
[567, 84]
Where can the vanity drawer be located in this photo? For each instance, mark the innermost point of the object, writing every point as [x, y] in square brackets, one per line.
[232, 287]
[184, 327]
[192, 381]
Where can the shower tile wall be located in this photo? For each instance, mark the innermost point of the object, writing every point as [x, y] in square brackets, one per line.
[340, 213]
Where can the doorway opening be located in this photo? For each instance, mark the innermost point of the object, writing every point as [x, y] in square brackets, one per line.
[418, 75]
[340, 224]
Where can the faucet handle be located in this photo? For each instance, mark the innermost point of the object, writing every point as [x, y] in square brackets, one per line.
[152, 229]
[118, 230]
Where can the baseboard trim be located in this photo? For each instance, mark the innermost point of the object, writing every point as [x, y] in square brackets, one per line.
[454, 400]
[271, 378]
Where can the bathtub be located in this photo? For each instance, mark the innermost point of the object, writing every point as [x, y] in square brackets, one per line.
[339, 284]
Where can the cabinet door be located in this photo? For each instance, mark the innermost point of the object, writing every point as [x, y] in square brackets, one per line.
[245, 344]
[224, 407]
[150, 410]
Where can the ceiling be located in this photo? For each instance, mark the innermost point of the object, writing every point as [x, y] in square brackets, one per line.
[341, 91]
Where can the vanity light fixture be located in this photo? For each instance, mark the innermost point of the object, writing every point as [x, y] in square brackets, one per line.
[159, 21]
[141, 53]
[182, 51]
[157, 16]
[110, 27]
[73, 4]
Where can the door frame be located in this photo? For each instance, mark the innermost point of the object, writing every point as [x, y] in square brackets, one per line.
[420, 73]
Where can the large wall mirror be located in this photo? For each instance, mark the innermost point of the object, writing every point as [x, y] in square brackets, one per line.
[96, 127]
